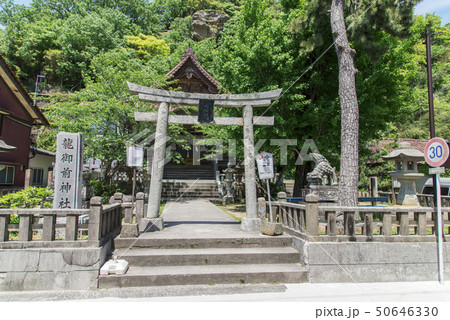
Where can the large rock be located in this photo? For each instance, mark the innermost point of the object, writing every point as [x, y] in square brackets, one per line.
[206, 24]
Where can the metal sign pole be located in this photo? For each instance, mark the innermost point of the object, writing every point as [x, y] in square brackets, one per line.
[134, 182]
[436, 154]
[439, 229]
[270, 204]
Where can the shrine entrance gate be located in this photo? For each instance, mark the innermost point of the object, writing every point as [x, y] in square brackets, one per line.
[247, 101]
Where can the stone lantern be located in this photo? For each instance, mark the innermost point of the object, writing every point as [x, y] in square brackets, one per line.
[229, 179]
[406, 173]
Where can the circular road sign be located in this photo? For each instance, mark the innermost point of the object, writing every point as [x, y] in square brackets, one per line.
[436, 152]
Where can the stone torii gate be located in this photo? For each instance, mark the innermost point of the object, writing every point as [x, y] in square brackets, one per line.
[251, 222]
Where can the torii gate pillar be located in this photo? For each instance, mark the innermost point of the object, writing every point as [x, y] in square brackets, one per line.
[153, 221]
[251, 222]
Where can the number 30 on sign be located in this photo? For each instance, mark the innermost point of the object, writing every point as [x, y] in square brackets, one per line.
[436, 152]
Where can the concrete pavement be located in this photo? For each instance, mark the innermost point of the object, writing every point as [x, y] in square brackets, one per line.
[197, 219]
[303, 292]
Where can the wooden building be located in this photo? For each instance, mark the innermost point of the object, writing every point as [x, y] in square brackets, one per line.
[18, 115]
[192, 77]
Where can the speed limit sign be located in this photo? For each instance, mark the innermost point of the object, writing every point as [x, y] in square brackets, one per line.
[436, 152]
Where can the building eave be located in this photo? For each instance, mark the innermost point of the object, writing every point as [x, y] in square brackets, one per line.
[21, 94]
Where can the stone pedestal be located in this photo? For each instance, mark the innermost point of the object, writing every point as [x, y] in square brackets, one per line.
[324, 193]
[407, 194]
[228, 199]
[129, 230]
[249, 224]
[149, 225]
[271, 228]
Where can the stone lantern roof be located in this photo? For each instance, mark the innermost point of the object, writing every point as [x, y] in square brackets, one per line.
[405, 152]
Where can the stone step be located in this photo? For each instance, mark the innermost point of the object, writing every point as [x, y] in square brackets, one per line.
[198, 243]
[175, 198]
[189, 175]
[140, 257]
[189, 189]
[190, 184]
[193, 186]
[189, 194]
[206, 274]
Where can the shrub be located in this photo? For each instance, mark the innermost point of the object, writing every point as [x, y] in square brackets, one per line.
[104, 190]
[27, 198]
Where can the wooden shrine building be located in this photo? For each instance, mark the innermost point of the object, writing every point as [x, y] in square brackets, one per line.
[193, 78]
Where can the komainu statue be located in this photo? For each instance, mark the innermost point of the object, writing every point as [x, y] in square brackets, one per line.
[323, 172]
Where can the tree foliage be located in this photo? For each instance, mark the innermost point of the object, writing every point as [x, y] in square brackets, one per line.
[93, 47]
[416, 115]
[147, 46]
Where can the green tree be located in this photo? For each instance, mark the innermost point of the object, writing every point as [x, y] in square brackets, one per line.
[147, 46]
[416, 118]
[25, 40]
[104, 111]
[83, 37]
[363, 22]
[264, 47]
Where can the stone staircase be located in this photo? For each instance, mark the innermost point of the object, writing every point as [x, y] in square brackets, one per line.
[158, 262]
[205, 172]
[187, 189]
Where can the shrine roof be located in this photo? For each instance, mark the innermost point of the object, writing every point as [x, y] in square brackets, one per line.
[189, 55]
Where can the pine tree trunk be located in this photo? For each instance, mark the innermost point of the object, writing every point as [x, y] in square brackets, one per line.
[300, 178]
[348, 183]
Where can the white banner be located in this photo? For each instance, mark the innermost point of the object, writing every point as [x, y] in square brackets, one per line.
[265, 165]
[135, 156]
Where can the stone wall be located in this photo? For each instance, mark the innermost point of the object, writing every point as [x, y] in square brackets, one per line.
[371, 261]
[51, 268]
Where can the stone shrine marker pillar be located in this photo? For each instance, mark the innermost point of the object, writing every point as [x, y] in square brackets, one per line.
[68, 171]
[247, 101]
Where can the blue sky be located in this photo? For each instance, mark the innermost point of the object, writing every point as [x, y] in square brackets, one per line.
[439, 7]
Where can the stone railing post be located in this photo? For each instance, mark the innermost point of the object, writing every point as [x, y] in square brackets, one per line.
[25, 227]
[129, 229]
[387, 224]
[312, 214]
[95, 219]
[118, 197]
[421, 218]
[127, 212]
[281, 198]
[262, 208]
[140, 199]
[404, 223]
[49, 227]
[4, 221]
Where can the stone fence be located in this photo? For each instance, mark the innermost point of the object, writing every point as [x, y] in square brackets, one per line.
[321, 223]
[425, 200]
[62, 227]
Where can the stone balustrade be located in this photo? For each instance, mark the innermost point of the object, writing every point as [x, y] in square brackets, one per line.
[427, 200]
[43, 227]
[314, 222]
